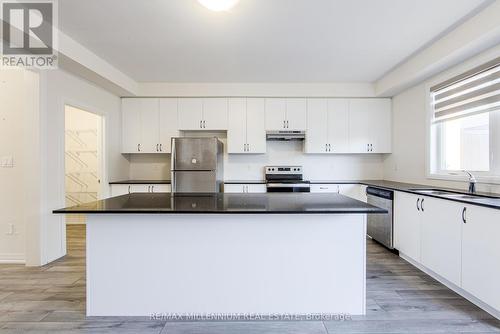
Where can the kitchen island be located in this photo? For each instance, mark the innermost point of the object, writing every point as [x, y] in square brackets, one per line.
[204, 254]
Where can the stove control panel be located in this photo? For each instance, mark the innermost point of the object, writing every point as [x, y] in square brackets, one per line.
[283, 169]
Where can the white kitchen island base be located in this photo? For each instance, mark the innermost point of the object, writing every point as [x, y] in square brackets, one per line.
[202, 264]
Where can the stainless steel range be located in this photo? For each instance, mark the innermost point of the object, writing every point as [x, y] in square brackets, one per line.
[286, 179]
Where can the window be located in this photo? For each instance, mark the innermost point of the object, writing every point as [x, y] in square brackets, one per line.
[465, 124]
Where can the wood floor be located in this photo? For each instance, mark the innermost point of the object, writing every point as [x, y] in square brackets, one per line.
[401, 299]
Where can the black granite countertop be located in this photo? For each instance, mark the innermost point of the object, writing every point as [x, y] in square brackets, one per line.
[490, 200]
[220, 203]
[141, 182]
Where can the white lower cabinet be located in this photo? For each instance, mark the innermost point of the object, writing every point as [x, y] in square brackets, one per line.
[245, 188]
[458, 242]
[123, 189]
[407, 224]
[324, 188]
[441, 237]
[481, 254]
[356, 191]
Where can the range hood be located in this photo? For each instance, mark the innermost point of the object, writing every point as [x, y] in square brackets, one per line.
[285, 135]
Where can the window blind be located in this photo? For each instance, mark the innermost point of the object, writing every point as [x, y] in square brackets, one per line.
[476, 91]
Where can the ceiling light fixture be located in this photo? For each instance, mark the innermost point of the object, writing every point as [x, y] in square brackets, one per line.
[219, 5]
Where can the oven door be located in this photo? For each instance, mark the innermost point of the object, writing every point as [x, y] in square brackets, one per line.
[288, 188]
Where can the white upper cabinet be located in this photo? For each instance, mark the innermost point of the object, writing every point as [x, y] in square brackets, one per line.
[168, 122]
[370, 126]
[317, 126]
[203, 113]
[140, 130]
[327, 126]
[286, 114]
[256, 125]
[131, 129]
[296, 114]
[148, 125]
[190, 114]
[246, 126]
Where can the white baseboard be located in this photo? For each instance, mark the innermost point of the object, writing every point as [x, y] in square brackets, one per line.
[487, 308]
[12, 258]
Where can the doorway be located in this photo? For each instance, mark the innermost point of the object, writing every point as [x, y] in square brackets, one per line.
[83, 158]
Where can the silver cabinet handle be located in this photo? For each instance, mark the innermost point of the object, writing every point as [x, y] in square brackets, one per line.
[284, 124]
[368, 147]
[464, 216]
[288, 124]
[422, 204]
[152, 189]
[418, 201]
[329, 147]
[161, 148]
[129, 189]
[204, 124]
[138, 147]
[326, 147]
[201, 124]
[157, 149]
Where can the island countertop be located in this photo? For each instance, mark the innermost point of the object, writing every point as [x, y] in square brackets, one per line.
[224, 203]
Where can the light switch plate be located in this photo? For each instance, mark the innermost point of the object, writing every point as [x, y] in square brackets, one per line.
[7, 161]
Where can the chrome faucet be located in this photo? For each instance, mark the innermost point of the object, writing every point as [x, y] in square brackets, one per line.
[472, 182]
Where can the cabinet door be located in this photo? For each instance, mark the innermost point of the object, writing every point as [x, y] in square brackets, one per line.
[119, 189]
[234, 188]
[338, 125]
[215, 114]
[481, 254]
[296, 114]
[407, 225]
[324, 188]
[140, 188]
[237, 125]
[361, 122]
[160, 188]
[150, 131]
[168, 121]
[256, 188]
[131, 125]
[441, 237]
[382, 125]
[317, 126]
[275, 114]
[190, 113]
[256, 126]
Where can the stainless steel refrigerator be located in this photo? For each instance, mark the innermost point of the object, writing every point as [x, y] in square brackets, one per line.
[197, 165]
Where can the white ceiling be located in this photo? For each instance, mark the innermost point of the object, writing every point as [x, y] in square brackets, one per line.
[259, 40]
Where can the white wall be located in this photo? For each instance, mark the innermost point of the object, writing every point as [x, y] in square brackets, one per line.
[57, 89]
[407, 163]
[17, 204]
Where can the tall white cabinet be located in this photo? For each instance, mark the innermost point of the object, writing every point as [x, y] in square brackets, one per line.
[246, 126]
[148, 124]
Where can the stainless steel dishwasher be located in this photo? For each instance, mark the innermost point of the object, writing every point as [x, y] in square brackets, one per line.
[380, 226]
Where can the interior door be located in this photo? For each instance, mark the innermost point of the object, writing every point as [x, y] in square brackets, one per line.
[256, 125]
[168, 123]
[215, 114]
[131, 125]
[317, 126]
[338, 125]
[190, 113]
[296, 114]
[442, 237]
[275, 114]
[150, 130]
[237, 125]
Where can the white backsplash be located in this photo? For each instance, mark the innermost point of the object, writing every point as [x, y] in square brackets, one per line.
[251, 167]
